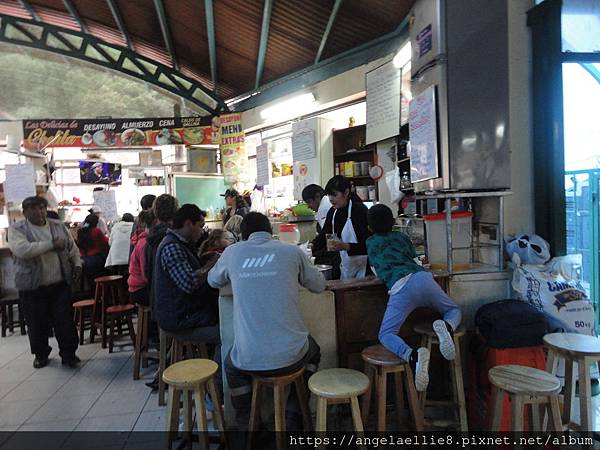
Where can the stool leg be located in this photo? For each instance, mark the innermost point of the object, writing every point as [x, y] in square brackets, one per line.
[218, 412]
[381, 398]
[11, 319]
[555, 418]
[111, 338]
[137, 353]
[21, 318]
[187, 417]
[130, 328]
[366, 398]
[201, 417]
[497, 399]
[536, 417]
[103, 326]
[413, 401]
[303, 400]
[399, 392]
[426, 341]
[459, 387]
[321, 415]
[81, 326]
[517, 412]
[358, 425]
[162, 365]
[173, 415]
[279, 392]
[569, 391]
[145, 324]
[585, 398]
[254, 412]
[4, 317]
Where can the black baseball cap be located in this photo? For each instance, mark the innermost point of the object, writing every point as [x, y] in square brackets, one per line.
[230, 193]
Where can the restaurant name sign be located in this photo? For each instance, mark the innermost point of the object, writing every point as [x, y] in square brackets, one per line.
[98, 133]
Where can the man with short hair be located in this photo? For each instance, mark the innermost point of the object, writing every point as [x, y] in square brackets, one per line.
[46, 261]
[185, 304]
[139, 227]
[314, 196]
[270, 335]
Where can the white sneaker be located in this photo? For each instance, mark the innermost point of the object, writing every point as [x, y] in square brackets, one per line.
[447, 348]
[422, 369]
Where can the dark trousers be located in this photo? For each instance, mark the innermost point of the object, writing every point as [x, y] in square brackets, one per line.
[45, 306]
[240, 387]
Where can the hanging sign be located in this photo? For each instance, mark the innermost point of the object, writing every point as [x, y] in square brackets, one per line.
[422, 129]
[20, 182]
[233, 148]
[98, 133]
[262, 164]
[383, 103]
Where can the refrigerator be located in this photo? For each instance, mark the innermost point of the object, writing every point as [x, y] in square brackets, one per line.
[459, 70]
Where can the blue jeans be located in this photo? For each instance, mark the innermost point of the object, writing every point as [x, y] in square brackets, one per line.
[421, 291]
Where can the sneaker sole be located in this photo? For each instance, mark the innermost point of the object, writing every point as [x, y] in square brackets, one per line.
[422, 370]
[447, 348]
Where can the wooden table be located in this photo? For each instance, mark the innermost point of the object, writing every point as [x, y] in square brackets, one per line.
[359, 308]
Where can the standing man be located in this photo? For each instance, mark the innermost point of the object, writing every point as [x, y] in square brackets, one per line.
[46, 263]
[270, 336]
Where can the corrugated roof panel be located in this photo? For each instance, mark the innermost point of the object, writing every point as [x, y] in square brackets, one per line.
[60, 18]
[141, 20]
[95, 11]
[13, 8]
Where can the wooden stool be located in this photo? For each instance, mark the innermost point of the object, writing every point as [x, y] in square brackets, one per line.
[338, 386]
[279, 383]
[79, 312]
[428, 339]
[7, 315]
[114, 316]
[524, 385]
[191, 377]
[583, 350]
[179, 350]
[378, 363]
[109, 292]
[142, 351]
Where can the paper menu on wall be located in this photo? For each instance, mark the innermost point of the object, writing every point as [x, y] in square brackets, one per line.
[303, 144]
[20, 182]
[383, 103]
[107, 202]
[262, 164]
[422, 127]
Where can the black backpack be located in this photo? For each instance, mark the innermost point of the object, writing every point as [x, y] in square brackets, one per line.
[511, 324]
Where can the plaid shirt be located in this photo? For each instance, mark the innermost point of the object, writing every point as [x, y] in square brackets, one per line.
[174, 261]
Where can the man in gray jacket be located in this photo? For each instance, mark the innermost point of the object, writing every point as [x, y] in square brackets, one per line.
[269, 334]
[46, 263]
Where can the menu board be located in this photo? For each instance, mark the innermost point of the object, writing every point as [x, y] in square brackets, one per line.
[233, 148]
[422, 128]
[383, 103]
[20, 182]
[262, 164]
[303, 143]
[107, 202]
[98, 133]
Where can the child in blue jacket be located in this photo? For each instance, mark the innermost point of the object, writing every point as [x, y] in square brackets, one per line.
[392, 256]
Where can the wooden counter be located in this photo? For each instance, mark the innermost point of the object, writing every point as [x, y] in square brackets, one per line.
[359, 308]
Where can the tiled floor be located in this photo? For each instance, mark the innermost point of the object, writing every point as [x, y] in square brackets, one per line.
[100, 395]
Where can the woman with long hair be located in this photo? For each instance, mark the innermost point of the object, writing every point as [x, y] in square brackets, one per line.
[93, 248]
[236, 205]
[347, 221]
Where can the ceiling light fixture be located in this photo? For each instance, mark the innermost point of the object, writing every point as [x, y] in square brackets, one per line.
[403, 56]
[292, 107]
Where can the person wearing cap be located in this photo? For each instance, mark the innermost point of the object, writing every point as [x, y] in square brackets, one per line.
[236, 205]
[102, 225]
[46, 263]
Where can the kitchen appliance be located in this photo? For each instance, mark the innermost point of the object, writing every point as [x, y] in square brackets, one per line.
[461, 49]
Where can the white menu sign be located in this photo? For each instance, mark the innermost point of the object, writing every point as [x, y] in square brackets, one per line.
[383, 103]
[303, 142]
[422, 127]
[20, 182]
[262, 164]
[107, 202]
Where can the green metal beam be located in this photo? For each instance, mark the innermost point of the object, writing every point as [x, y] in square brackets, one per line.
[25, 4]
[332, 16]
[264, 40]
[75, 14]
[164, 28]
[212, 45]
[114, 9]
[42, 36]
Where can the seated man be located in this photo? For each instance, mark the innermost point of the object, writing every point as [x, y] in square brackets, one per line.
[270, 335]
[185, 305]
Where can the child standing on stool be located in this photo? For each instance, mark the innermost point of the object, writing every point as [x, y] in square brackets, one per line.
[392, 256]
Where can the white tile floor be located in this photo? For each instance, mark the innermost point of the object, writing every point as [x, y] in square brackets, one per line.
[100, 395]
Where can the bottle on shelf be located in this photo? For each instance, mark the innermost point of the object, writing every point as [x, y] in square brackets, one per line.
[405, 181]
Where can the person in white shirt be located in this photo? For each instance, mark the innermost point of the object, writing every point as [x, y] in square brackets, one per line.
[119, 241]
[315, 198]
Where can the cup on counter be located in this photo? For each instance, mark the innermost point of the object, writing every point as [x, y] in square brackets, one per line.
[331, 237]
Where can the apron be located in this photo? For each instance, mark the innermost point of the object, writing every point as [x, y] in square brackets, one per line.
[352, 266]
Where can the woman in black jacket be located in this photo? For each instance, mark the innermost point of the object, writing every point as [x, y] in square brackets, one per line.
[347, 220]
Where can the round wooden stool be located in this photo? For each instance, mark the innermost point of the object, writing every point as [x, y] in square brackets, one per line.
[338, 386]
[191, 378]
[279, 383]
[109, 292]
[583, 350]
[142, 352]
[7, 315]
[524, 385]
[116, 315]
[379, 362]
[428, 340]
[79, 312]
